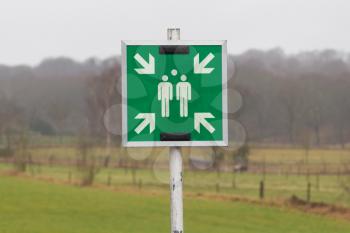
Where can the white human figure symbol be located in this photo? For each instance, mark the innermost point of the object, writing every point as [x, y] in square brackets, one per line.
[165, 94]
[184, 94]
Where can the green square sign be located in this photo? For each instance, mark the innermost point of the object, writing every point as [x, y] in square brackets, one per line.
[174, 93]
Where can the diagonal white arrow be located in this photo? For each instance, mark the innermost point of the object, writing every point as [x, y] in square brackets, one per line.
[200, 119]
[148, 119]
[148, 67]
[200, 67]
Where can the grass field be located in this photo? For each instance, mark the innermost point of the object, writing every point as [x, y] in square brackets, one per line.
[278, 185]
[29, 206]
[269, 155]
[325, 188]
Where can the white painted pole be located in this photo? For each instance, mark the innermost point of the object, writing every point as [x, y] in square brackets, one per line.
[175, 165]
[176, 190]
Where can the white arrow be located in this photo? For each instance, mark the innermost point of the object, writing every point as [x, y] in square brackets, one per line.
[148, 119]
[200, 119]
[148, 67]
[200, 67]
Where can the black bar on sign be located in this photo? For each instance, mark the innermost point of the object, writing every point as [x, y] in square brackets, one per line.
[174, 49]
[175, 137]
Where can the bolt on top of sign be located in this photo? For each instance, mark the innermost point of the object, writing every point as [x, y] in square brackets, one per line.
[174, 93]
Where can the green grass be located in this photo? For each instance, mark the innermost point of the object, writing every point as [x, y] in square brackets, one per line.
[29, 206]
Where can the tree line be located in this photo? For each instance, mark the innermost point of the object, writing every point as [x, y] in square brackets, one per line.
[285, 97]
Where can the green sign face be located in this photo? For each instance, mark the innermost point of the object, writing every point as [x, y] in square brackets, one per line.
[174, 93]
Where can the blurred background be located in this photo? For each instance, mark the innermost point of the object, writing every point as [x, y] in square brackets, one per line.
[289, 115]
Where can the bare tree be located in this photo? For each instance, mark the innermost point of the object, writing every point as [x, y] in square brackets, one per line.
[22, 156]
[345, 180]
[58, 111]
[218, 158]
[240, 158]
[340, 112]
[11, 121]
[101, 95]
[305, 141]
[290, 99]
[87, 160]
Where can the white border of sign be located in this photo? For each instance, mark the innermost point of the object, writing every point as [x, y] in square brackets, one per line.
[223, 142]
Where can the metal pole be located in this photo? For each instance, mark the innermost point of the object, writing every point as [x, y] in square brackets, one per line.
[176, 190]
[175, 165]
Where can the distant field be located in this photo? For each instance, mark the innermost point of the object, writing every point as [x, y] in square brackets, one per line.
[280, 161]
[269, 155]
[325, 188]
[291, 155]
[281, 181]
[29, 206]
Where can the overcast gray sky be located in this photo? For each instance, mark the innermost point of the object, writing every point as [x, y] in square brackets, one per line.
[36, 29]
